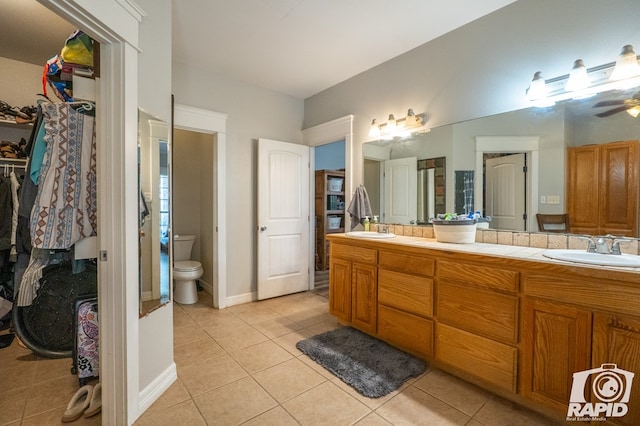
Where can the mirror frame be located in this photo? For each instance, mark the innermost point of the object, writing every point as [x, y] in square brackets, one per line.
[155, 249]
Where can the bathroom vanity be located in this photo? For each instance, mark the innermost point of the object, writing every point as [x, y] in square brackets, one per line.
[504, 317]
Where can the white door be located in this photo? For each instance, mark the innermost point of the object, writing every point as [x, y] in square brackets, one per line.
[505, 192]
[400, 190]
[283, 218]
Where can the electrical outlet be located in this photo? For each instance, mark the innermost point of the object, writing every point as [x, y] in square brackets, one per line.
[553, 199]
[543, 199]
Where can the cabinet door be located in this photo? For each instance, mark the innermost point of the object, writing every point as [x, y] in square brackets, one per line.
[619, 188]
[616, 340]
[340, 288]
[364, 297]
[583, 188]
[556, 342]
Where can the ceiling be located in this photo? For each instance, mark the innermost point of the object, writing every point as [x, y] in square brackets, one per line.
[296, 47]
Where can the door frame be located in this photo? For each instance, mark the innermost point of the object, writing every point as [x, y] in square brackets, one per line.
[214, 123]
[510, 144]
[322, 134]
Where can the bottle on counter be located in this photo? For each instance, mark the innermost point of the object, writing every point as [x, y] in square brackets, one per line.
[366, 223]
[374, 224]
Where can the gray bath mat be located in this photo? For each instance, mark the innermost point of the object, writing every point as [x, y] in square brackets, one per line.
[370, 366]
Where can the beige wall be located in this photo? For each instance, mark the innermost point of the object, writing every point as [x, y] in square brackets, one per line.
[20, 82]
[253, 113]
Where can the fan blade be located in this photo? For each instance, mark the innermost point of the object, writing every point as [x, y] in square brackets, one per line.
[609, 103]
[613, 111]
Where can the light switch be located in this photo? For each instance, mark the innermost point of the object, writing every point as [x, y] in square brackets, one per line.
[543, 199]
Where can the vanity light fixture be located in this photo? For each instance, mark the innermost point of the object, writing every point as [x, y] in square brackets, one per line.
[582, 82]
[402, 127]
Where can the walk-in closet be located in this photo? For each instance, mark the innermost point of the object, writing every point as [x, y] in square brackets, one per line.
[49, 363]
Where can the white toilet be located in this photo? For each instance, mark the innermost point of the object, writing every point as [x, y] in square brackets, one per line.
[185, 271]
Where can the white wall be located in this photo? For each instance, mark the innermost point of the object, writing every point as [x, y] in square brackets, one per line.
[154, 96]
[20, 82]
[253, 113]
[482, 68]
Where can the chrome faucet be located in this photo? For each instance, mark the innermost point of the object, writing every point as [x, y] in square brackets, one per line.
[600, 244]
[382, 228]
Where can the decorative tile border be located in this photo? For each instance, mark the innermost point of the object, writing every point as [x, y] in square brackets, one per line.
[517, 238]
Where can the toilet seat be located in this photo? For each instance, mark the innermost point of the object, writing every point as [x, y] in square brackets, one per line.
[187, 266]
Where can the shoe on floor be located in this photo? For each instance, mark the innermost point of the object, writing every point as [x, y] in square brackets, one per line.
[78, 404]
[95, 405]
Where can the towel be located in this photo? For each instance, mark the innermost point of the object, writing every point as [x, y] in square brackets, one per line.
[359, 206]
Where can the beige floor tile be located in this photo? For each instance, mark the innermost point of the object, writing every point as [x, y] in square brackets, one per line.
[234, 403]
[289, 379]
[500, 412]
[223, 324]
[288, 341]
[181, 319]
[15, 356]
[193, 352]
[373, 419]
[210, 374]
[185, 413]
[263, 355]
[256, 315]
[275, 417]
[12, 402]
[189, 334]
[413, 406]
[462, 395]
[45, 396]
[176, 394]
[309, 317]
[372, 403]
[19, 375]
[54, 417]
[277, 327]
[325, 404]
[47, 369]
[326, 323]
[243, 338]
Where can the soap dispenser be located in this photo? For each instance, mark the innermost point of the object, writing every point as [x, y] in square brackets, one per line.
[374, 223]
[366, 223]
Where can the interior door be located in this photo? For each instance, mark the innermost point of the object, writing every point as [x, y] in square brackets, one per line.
[505, 192]
[283, 218]
[400, 190]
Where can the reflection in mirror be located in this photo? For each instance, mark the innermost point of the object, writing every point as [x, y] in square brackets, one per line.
[404, 185]
[544, 135]
[154, 165]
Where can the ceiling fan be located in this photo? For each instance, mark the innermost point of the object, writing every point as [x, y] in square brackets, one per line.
[631, 105]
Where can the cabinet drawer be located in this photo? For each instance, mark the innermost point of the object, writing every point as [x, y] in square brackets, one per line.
[484, 312]
[358, 254]
[486, 359]
[407, 331]
[409, 263]
[408, 293]
[482, 276]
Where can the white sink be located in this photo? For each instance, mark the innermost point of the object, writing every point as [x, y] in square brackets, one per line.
[582, 256]
[366, 234]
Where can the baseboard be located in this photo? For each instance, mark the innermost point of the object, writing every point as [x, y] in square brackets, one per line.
[206, 286]
[241, 298]
[149, 394]
[146, 296]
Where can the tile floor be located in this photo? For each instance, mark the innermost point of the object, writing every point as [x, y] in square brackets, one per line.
[240, 366]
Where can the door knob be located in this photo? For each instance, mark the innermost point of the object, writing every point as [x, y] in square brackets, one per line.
[263, 228]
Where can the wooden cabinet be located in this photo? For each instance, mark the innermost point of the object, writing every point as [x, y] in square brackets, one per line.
[329, 211]
[602, 188]
[405, 301]
[556, 342]
[353, 286]
[477, 312]
[616, 340]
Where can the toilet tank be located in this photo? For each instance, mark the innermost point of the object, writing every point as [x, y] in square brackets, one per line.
[182, 245]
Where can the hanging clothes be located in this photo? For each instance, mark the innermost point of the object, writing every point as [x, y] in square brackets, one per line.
[65, 206]
[15, 186]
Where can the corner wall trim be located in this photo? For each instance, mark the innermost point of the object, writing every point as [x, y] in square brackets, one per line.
[157, 387]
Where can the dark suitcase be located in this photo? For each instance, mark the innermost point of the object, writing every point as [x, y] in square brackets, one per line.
[85, 354]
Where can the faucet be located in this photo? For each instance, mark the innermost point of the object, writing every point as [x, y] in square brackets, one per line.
[382, 228]
[601, 246]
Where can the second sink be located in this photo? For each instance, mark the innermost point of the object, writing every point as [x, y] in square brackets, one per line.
[367, 234]
[582, 256]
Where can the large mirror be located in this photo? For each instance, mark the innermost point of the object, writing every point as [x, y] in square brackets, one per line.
[538, 137]
[154, 167]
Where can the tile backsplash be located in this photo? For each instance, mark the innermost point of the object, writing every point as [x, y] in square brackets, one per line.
[517, 238]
